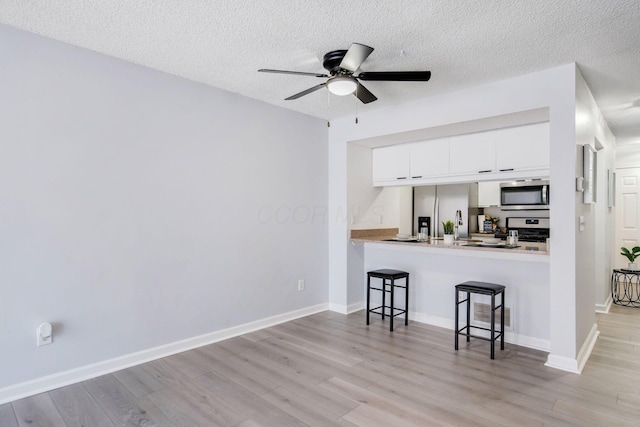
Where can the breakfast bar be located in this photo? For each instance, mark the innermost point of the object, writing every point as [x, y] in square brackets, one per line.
[471, 248]
[435, 269]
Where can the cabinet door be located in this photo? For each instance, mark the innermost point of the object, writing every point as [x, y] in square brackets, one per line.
[473, 153]
[390, 163]
[523, 147]
[430, 158]
[488, 193]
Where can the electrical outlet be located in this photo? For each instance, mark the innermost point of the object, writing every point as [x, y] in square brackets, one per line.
[44, 334]
[301, 285]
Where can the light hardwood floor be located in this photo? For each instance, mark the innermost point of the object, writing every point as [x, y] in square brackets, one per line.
[329, 369]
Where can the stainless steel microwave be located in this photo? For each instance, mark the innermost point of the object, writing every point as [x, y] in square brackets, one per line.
[527, 194]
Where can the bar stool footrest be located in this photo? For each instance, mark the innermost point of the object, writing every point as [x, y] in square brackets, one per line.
[464, 334]
[396, 311]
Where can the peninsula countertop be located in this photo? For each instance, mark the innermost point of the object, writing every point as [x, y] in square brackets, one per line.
[462, 247]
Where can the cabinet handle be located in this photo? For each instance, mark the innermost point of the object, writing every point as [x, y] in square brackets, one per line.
[487, 171]
[401, 177]
[414, 177]
[506, 170]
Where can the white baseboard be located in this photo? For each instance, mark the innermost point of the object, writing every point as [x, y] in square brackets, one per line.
[604, 308]
[563, 363]
[527, 341]
[575, 365]
[61, 379]
[338, 308]
[510, 337]
[587, 347]
[432, 320]
[347, 309]
[352, 308]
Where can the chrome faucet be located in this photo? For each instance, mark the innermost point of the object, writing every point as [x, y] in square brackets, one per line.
[456, 224]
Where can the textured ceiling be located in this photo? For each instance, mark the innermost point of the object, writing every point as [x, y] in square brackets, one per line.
[464, 43]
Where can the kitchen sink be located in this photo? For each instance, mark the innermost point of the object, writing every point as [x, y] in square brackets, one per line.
[487, 245]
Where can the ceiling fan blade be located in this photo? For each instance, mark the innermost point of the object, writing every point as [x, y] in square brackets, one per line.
[355, 56]
[305, 92]
[300, 73]
[397, 76]
[363, 94]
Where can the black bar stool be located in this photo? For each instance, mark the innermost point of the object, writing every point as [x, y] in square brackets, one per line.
[485, 289]
[389, 285]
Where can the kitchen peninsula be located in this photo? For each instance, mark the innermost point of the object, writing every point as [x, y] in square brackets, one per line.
[528, 248]
[435, 268]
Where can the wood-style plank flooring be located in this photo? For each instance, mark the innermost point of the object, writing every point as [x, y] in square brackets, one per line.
[332, 370]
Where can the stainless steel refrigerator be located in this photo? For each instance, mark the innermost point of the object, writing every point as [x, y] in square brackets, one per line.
[440, 203]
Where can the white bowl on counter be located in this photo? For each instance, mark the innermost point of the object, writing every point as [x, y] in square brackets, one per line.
[490, 240]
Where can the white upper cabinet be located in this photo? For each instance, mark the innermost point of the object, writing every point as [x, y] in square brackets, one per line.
[522, 147]
[503, 154]
[429, 158]
[488, 193]
[474, 153]
[391, 163]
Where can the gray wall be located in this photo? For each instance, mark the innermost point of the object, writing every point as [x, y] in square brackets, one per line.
[138, 209]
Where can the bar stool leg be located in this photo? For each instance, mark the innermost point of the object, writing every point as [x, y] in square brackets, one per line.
[368, 295]
[468, 316]
[493, 324]
[406, 302]
[393, 288]
[502, 323]
[456, 320]
[384, 295]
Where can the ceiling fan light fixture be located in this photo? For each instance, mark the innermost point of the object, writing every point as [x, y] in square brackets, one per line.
[342, 85]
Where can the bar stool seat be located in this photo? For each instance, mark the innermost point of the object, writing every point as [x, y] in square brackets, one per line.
[484, 288]
[389, 277]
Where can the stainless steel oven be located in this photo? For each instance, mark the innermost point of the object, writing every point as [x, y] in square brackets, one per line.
[527, 194]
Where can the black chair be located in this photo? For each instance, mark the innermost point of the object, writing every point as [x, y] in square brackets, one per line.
[389, 285]
[484, 289]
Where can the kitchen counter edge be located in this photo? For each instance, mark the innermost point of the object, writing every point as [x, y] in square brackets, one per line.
[459, 249]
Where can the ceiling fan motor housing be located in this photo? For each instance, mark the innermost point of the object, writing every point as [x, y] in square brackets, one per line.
[332, 60]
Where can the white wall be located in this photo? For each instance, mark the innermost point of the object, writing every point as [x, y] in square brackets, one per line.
[553, 88]
[366, 205]
[593, 245]
[593, 257]
[138, 209]
[627, 155]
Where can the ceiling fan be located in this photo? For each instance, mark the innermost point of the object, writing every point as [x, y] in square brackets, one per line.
[342, 64]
